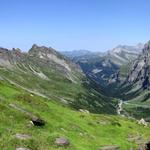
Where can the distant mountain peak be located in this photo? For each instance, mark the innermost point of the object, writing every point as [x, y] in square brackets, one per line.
[127, 48]
[42, 51]
[140, 45]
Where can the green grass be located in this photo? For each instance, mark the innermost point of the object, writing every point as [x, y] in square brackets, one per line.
[84, 131]
[58, 86]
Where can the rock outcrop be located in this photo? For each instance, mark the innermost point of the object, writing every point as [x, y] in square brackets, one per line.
[141, 68]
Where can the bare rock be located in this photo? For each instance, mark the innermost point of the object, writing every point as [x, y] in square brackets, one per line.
[144, 146]
[84, 111]
[22, 148]
[112, 147]
[132, 138]
[22, 136]
[38, 122]
[142, 122]
[62, 141]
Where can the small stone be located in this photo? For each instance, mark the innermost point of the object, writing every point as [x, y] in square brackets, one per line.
[110, 148]
[23, 136]
[63, 129]
[62, 141]
[84, 111]
[81, 134]
[102, 122]
[22, 148]
[31, 95]
[134, 138]
[144, 146]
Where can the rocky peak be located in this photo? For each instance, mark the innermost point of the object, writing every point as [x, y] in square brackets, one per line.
[40, 49]
[34, 46]
[3, 51]
[140, 46]
[44, 52]
[16, 50]
[16, 53]
[50, 56]
[127, 49]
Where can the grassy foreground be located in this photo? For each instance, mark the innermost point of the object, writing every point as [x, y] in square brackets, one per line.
[84, 131]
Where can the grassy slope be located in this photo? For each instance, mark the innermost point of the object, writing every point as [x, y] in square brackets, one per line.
[85, 131]
[139, 105]
[58, 86]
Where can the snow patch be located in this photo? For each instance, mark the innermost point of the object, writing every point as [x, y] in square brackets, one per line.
[95, 71]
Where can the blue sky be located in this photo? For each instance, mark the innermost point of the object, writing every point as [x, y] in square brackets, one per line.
[96, 25]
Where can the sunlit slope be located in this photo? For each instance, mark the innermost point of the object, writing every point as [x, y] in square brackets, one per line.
[84, 131]
[45, 72]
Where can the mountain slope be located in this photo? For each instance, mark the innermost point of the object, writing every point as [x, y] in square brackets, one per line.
[84, 131]
[104, 68]
[124, 54]
[36, 91]
[45, 72]
[138, 76]
[135, 89]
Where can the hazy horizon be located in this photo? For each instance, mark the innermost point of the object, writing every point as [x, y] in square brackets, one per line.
[71, 25]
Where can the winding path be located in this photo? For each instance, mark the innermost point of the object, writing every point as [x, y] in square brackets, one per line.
[119, 108]
[121, 103]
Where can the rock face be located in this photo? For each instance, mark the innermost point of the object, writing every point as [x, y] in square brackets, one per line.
[45, 56]
[141, 68]
[62, 141]
[122, 54]
[104, 67]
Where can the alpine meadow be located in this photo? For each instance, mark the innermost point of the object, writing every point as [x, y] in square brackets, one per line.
[80, 79]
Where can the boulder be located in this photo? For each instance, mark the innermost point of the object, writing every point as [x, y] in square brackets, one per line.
[142, 122]
[62, 141]
[148, 146]
[38, 122]
[144, 146]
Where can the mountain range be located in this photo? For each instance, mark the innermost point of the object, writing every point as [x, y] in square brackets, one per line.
[45, 72]
[122, 73]
[104, 67]
[79, 100]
